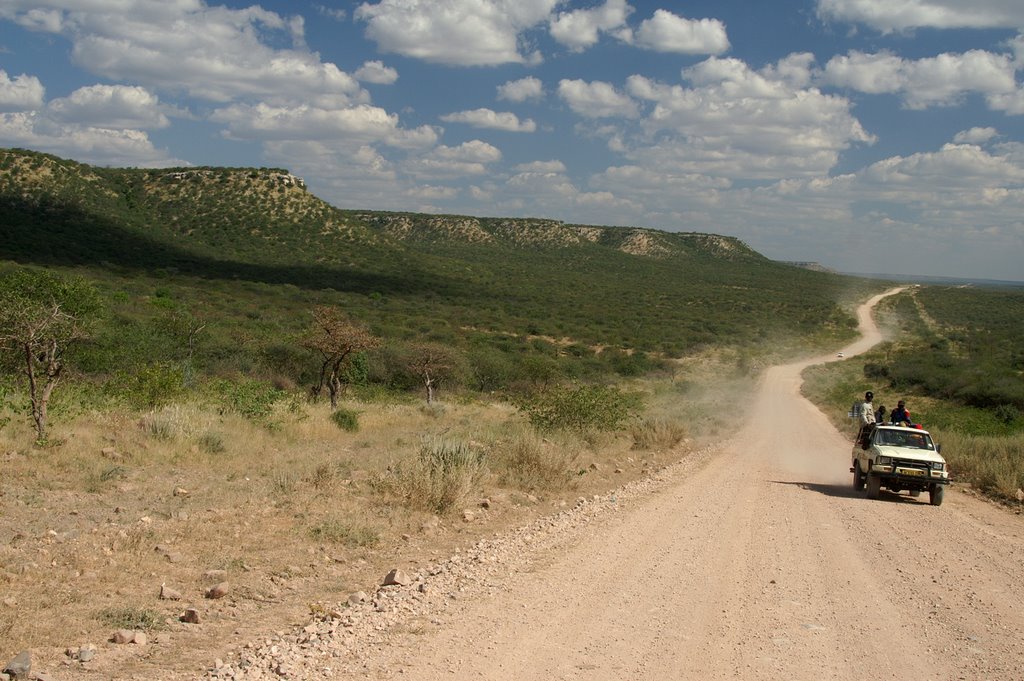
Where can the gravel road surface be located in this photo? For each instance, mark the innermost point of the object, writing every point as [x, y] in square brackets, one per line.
[754, 559]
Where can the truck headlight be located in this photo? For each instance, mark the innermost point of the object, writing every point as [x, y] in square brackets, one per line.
[883, 461]
[938, 466]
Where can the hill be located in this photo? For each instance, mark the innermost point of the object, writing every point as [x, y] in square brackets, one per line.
[253, 249]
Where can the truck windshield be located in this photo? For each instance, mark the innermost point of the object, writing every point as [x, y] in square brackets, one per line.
[902, 438]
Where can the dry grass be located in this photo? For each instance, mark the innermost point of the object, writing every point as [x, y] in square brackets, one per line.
[992, 464]
[302, 513]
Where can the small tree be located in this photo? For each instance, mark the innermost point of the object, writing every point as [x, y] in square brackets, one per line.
[334, 338]
[432, 363]
[41, 315]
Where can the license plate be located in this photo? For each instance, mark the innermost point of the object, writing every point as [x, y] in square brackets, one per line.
[910, 471]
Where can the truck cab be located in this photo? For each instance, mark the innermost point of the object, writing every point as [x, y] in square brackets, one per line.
[900, 460]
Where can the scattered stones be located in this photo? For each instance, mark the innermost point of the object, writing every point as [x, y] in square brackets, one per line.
[468, 516]
[19, 667]
[122, 636]
[397, 578]
[83, 653]
[485, 503]
[190, 616]
[169, 594]
[219, 590]
[140, 638]
[180, 492]
[215, 575]
[357, 598]
[1020, 495]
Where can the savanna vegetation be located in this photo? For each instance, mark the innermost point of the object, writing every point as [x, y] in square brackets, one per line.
[956, 356]
[266, 385]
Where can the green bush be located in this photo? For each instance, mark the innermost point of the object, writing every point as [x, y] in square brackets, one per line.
[151, 386]
[581, 408]
[346, 419]
[252, 399]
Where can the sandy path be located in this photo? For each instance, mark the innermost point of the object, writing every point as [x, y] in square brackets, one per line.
[761, 563]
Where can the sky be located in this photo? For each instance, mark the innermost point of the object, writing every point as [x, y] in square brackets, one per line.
[878, 136]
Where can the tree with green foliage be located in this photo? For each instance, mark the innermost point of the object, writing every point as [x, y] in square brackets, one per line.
[41, 316]
[335, 338]
[432, 363]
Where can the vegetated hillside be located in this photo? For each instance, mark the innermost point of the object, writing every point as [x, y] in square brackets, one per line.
[208, 234]
[962, 345]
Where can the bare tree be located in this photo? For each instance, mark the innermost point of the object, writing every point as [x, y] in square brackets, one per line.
[432, 363]
[335, 337]
[40, 316]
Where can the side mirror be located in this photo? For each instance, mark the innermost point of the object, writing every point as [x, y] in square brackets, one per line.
[938, 448]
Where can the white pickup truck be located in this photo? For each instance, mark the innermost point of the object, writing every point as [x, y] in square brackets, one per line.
[899, 459]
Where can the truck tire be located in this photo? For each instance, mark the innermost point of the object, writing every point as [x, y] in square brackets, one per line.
[858, 477]
[874, 485]
[935, 494]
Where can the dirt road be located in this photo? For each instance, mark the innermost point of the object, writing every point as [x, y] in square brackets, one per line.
[757, 562]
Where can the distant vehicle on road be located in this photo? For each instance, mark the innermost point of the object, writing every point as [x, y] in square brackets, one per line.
[840, 355]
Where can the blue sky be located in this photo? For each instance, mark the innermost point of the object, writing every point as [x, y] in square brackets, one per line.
[868, 135]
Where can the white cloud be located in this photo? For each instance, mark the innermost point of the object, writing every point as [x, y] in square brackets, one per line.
[493, 120]
[430, 192]
[596, 99]
[580, 29]
[1010, 102]
[736, 122]
[975, 135]
[214, 53]
[888, 16]
[360, 124]
[376, 72]
[22, 93]
[444, 162]
[455, 32]
[667, 32]
[109, 106]
[333, 13]
[100, 146]
[545, 167]
[942, 80]
[521, 90]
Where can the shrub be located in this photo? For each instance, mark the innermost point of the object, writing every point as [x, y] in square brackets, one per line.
[151, 386]
[653, 434]
[167, 424]
[527, 463]
[346, 419]
[441, 477]
[212, 442]
[252, 399]
[130, 618]
[581, 408]
[338, 532]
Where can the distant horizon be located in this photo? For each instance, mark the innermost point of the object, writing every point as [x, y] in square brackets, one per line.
[934, 278]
